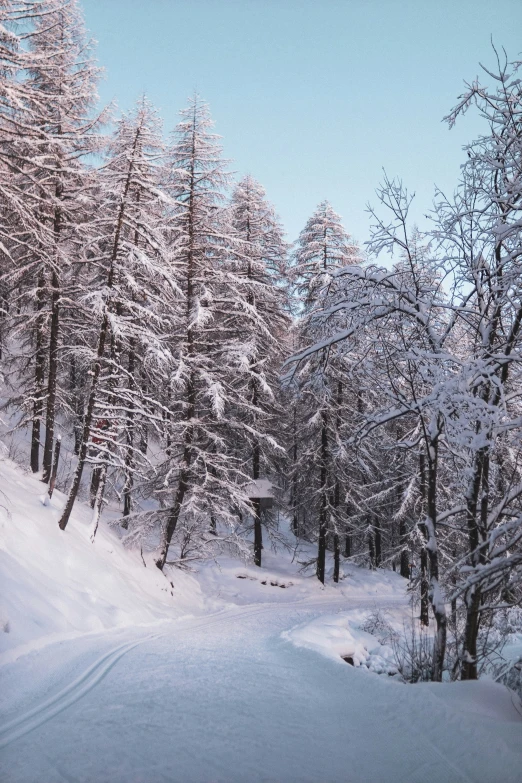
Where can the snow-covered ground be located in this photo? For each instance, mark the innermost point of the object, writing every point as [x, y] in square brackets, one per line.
[112, 672]
[59, 584]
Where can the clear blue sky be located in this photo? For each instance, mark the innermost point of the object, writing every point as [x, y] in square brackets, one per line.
[312, 97]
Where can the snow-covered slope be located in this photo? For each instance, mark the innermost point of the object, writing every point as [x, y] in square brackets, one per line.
[56, 584]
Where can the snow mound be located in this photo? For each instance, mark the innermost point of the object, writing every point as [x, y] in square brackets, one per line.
[480, 698]
[336, 638]
[58, 584]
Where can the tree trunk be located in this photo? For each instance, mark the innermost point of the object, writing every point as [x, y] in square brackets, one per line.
[336, 540]
[424, 583]
[371, 547]
[98, 501]
[39, 371]
[378, 541]
[256, 505]
[175, 511]
[321, 548]
[435, 593]
[52, 379]
[337, 557]
[295, 506]
[405, 554]
[472, 597]
[56, 460]
[87, 423]
[129, 451]
[424, 588]
[77, 406]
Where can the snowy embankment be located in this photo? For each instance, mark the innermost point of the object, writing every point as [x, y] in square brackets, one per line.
[56, 585]
[59, 584]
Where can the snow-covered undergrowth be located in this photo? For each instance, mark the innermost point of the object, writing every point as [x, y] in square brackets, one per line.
[56, 584]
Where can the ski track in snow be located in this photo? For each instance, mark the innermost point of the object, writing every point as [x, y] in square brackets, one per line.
[95, 673]
[427, 757]
[84, 683]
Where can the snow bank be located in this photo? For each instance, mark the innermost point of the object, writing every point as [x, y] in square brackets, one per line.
[55, 584]
[336, 638]
[483, 698]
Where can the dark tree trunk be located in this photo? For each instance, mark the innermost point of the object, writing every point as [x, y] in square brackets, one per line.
[405, 555]
[95, 483]
[256, 507]
[39, 375]
[186, 460]
[336, 540]
[424, 588]
[129, 437]
[378, 541]
[56, 460]
[295, 507]
[172, 521]
[77, 406]
[256, 504]
[52, 379]
[321, 548]
[371, 548]
[98, 501]
[435, 594]
[424, 583]
[87, 424]
[258, 537]
[348, 535]
[337, 557]
[469, 668]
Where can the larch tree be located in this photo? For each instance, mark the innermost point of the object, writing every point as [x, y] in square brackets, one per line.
[128, 299]
[258, 330]
[323, 248]
[52, 129]
[200, 478]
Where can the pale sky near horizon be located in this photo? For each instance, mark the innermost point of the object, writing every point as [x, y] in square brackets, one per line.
[313, 97]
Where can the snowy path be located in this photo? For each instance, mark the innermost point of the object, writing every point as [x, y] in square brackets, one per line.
[223, 697]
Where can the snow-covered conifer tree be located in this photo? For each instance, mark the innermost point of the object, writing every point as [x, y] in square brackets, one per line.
[259, 329]
[200, 477]
[127, 305]
[323, 248]
[51, 129]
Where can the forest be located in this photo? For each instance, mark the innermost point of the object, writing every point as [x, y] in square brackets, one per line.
[166, 352]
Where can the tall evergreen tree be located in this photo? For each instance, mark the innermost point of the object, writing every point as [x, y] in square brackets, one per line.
[200, 477]
[259, 332]
[129, 299]
[323, 248]
[51, 129]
